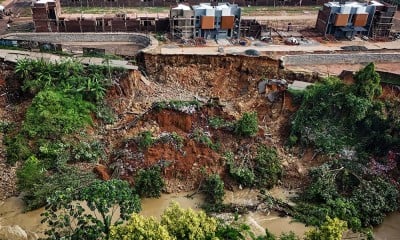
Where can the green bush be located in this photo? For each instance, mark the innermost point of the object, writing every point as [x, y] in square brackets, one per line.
[217, 122]
[31, 173]
[54, 113]
[18, 148]
[332, 229]
[145, 140]
[67, 76]
[204, 138]
[268, 169]
[247, 125]
[289, 236]
[214, 189]
[36, 196]
[149, 182]
[241, 173]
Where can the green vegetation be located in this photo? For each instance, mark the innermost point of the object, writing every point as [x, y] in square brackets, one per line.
[247, 125]
[204, 138]
[217, 122]
[188, 224]
[139, 227]
[332, 229]
[334, 117]
[145, 140]
[360, 134]
[65, 95]
[214, 189]
[149, 182]
[263, 171]
[67, 218]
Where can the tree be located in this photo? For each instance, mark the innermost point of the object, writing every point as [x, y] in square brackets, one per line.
[138, 228]
[188, 224]
[332, 229]
[67, 217]
[149, 182]
[367, 82]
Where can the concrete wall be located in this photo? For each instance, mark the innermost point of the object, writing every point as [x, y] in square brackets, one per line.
[323, 59]
[137, 38]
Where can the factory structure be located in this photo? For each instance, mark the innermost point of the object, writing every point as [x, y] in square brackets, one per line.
[345, 20]
[205, 21]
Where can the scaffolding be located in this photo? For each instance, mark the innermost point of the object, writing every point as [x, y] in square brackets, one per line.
[383, 22]
[182, 27]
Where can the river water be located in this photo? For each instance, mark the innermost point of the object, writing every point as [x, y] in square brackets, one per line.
[11, 213]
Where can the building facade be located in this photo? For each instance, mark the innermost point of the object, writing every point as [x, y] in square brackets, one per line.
[205, 21]
[170, 3]
[373, 19]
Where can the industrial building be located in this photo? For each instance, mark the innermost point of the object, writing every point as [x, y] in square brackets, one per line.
[205, 21]
[373, 19]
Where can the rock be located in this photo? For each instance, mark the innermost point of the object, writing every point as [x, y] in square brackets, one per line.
[12, 232]
[102, 172]
[32, 235]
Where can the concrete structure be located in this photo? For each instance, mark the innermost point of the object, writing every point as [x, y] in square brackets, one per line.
[205, 21]
[170, 3]
[373, 19]
[47, 17]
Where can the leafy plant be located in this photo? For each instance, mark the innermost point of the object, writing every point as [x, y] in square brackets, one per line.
[332, 229]
[36, 196]
[68, 219]
[205, 138]
[149, 182]
[214, 189]
[188, 224]
[242, 174]
[217, 122]
[247, 125]
[31, 173]
[139, 227]
[55, 113]
[145, 140]
[268, 169]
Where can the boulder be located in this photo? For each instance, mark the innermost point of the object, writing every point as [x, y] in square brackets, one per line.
[14, 232]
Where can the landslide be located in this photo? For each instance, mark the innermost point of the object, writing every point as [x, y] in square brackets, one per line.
[232, 81]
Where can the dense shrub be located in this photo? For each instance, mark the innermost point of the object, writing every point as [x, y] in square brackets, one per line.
[54, 113]
[31, 173]
[268, 169]
[214, 189]
[149, 182]
[188, 224]
[67, 219]
[145, 140]
[247, 125]
[332, 229]
[36, 196]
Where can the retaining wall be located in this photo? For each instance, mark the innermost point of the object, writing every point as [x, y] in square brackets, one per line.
[139, 39]
[350, 58]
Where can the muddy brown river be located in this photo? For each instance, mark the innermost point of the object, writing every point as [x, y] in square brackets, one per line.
[11, 213]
